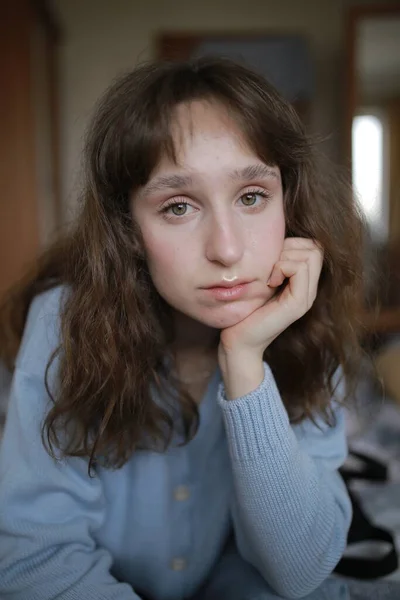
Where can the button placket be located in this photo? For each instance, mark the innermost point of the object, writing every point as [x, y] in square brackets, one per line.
[181, 493]
[182, 532]
[178, 564]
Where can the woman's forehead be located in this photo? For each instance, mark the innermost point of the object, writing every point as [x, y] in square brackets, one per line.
[194, 130]
[203, 116]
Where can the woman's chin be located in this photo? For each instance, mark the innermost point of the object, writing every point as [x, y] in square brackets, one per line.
[229, 314]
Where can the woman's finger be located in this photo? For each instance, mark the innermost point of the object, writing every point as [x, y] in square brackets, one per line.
[314, 260]
[296, 294]
[299, 243]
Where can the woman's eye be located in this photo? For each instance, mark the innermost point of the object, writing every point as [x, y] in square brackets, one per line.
[250, 198]
[178, 209]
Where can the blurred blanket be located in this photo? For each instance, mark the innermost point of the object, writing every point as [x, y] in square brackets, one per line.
[374, 430]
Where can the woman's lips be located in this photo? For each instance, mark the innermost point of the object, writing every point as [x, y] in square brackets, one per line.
[226, 293]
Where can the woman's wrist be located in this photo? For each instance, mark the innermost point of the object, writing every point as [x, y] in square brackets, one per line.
[242, 373]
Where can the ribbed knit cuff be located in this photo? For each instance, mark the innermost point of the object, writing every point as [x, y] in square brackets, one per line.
[257, 423]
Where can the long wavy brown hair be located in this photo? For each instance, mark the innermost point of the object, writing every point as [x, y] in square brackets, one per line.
[114, 334]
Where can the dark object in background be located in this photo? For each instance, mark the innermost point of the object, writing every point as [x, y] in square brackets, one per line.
[362, 529]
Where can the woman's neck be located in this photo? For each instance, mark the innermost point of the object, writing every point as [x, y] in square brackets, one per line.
[193, 337]
[195, 349]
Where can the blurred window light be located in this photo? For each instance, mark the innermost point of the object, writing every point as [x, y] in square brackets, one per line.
[367, 161]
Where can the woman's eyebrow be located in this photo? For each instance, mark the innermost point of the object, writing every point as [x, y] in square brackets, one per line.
[163, 182]
[254, 172]
[176, 181]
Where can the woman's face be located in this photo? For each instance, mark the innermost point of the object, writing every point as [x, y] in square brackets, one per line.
[213, 219]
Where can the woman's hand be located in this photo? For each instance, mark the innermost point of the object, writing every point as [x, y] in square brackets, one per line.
[242, 346]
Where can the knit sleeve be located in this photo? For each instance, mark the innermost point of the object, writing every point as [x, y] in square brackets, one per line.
[49, 511]
[233, 578]
[291, 510]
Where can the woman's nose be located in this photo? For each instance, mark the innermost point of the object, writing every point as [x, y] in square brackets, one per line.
[225, 241]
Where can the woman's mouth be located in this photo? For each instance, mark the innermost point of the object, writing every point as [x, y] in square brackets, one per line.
[228, 291]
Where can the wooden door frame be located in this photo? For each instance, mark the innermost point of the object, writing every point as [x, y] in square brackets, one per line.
[386, 320]
[20, 227]
[353, 16]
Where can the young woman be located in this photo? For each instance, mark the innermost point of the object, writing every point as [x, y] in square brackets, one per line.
[175, 413]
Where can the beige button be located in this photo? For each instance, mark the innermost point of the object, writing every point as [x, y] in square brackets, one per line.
[178, 564]
[181, 493]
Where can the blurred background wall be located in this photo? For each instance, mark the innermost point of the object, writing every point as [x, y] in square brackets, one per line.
[103, 37]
